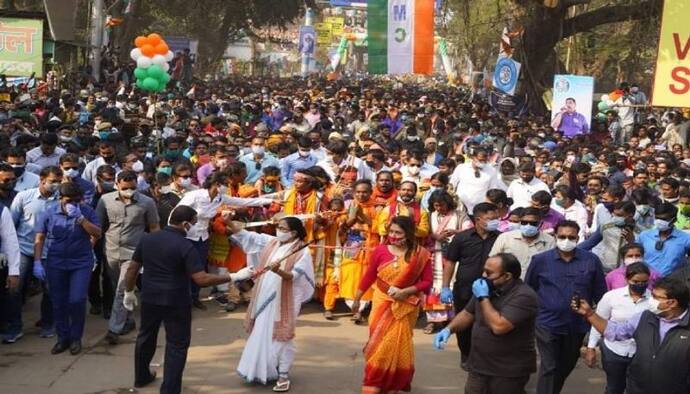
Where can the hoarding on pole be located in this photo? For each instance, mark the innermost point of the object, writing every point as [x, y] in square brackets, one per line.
[672, 74]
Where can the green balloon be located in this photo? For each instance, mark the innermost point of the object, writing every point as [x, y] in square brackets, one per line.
[140, 83]
[165, 78]
[601, 116]
[602, 106]
[155, 72]
[150, 84]
[140, 73]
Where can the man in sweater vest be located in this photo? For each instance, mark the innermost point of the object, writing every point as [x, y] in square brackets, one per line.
[662, 335]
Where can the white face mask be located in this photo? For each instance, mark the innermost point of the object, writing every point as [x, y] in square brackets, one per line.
[413, 170]
[72, 173]
[565, 245]
[186, 182]
[631, 260]
[653, 306]
[283, 236]
[128, 193]
[258, 150]
[138, 166]
[166, 189]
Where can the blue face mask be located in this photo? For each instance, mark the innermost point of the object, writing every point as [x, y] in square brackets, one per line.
[103, 135]
[492, 225]
[513, 226]
[528, 230]
[618, 221]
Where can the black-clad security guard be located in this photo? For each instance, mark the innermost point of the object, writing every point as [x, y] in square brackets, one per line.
[169, 260]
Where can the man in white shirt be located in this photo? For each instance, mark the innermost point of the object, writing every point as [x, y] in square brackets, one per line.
[416, 168]
[337, 159]
[566, 203]
[471, 180]
[16, 158]
[522, 189]
[48, 153]
[9, 271]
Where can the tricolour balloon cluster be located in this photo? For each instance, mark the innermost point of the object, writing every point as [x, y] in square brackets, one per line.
[152, 56]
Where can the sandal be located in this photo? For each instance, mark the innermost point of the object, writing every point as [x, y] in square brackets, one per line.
[328, 315]
[282, 387]
[357, 318]
[429, 329]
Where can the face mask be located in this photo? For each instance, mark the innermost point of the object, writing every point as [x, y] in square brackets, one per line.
[565, 245]
[642, 209]
[608, 205]
[527, 179]
[479, 164]
[166, 189]
[187, 227]
[513, 226]
[18, 169]
[186, 182]
[165, 170]
[127, 193]
[283, 236]
[72, 173]
[653, 306]
[103, 135]
[222, 163]
[662, 225]
[412, 138]
[52, 187]
[370, 163]
[638, 288]
[395, 240]
[222, 189]
[405, 199]
[65, 138]
[172, 154]
[559, 201]
[492, 225]
[528, 230]
[631, 260]
[138, 166]
[258, 150]
[108, 186]
[413, 170]
[306, 154]
[618, 221]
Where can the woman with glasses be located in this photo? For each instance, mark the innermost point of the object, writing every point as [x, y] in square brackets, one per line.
[629, 254]
[70, 228]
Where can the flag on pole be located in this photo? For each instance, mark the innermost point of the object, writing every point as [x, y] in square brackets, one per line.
[129, 6]
[401, 36]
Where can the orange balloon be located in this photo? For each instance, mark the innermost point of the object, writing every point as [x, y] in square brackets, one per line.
[148, 50]
[154, 39]
[140, 41]
[162, 48]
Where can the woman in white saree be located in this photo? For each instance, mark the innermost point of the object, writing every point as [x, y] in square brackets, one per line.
[276, 301]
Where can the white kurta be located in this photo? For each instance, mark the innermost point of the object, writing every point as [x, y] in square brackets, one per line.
[263, 357]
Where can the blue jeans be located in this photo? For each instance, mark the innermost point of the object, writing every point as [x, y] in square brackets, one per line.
[68, 291]
[202, 248]
[16, 299]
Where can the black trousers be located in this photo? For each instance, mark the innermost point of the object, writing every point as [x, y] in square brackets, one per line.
[178, 332]
[559, 354]
[616, 368]
[100, 288]
[485, 384]
[464, 337]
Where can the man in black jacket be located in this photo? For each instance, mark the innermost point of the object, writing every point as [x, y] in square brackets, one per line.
[662, 335]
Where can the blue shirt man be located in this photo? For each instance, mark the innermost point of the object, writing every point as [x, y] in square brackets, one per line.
[665, 253]
[300, 160]
[26, 209]
[257, 160]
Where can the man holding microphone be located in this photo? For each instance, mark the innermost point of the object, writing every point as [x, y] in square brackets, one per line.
[169, 260]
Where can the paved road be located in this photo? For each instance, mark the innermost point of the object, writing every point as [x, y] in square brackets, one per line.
[329, 360]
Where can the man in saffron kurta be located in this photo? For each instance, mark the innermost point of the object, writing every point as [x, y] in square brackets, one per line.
[404, 205]
[384, 193]
[303, 198]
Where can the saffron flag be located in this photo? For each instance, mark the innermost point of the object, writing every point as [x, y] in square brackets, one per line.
[401, 36]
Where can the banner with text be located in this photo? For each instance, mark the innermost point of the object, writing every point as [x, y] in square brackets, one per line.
[672, 75]
[571, 106]
[21, 47]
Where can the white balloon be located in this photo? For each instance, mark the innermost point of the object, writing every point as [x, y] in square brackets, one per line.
[605, 98]
[159, 60]
[166, 67]
[169, 56]
[144, 62]
[135, 54]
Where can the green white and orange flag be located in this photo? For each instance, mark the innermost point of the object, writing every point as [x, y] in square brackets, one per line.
[400, 36]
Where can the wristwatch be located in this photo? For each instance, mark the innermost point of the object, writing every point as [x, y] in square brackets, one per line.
[80, 220]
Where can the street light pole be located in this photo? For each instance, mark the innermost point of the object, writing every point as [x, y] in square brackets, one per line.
[96, 37]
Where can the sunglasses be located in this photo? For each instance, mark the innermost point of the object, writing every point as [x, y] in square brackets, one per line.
[571, 238]
[526, 223]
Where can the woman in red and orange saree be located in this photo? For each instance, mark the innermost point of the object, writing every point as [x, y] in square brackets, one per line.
[399, 271]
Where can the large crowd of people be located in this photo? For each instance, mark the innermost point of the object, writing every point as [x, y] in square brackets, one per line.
[406, 200]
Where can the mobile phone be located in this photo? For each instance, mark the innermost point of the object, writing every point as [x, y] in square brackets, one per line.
[576, 300]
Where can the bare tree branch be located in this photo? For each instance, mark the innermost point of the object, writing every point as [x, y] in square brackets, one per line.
[610, 14]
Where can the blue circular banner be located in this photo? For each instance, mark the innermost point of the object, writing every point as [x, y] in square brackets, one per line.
[506, 75]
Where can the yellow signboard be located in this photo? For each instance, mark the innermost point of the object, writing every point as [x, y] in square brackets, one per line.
[337, 24]
[323, 32]
[672, 75]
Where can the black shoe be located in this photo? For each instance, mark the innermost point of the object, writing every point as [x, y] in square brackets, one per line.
[112, 338]
[96, 310]
[59, 348]
[106, 314]
[75, 347]
[151, 378]
[230, 306]
[199, 305]
[129, 327]
[222, 299]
